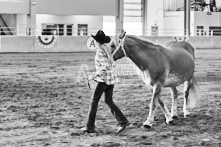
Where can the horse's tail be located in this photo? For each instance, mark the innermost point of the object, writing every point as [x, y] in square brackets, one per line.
[193, 93]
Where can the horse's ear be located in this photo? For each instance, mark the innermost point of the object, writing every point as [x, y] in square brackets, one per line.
[122, 34]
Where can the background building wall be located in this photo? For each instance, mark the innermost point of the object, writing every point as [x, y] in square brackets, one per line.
[155, 13]
[78, 7]
[21, 24]
[173, 5]
[101, 14]
[203, 19]
[174, 22]
[133, 16]
[109, 25]
[30, 15]
[94, 22]
[19, 7]
[29, 44]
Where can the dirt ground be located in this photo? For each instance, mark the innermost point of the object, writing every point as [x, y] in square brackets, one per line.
[44, 102]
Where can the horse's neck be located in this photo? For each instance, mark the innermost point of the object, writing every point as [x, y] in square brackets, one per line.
[141, 55]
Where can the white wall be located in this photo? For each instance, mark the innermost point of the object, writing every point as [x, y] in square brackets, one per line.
[202, 19]
[21, 24]
[133, 17]
[174, 22]
[15, 7]
[154, 14]
[109, 25]
[62, 7]
[94, 22]
[78, 7]
[173, 5]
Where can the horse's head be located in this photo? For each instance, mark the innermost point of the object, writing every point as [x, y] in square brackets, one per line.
[116, 45]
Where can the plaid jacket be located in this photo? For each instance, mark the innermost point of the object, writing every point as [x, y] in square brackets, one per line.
[105, 70]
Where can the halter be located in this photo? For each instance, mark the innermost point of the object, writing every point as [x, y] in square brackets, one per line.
[121, 44]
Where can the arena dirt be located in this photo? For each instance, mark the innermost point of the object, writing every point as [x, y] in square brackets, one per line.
[43, 103]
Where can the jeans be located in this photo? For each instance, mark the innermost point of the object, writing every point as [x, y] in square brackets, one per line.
[101, 88]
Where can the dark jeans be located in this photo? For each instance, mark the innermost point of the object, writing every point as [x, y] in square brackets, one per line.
[100, 89]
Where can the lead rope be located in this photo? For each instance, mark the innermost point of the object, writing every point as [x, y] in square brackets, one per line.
[121, 44]
[122, 47]
[86, 72]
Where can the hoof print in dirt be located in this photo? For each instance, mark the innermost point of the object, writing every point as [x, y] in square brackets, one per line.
[76, 133]
[111, 144]
[146, 143]
[91, 134]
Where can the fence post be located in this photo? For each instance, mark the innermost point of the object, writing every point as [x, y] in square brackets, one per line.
[0, 43]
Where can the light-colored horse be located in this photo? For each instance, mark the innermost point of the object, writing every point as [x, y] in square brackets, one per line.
[168, 66]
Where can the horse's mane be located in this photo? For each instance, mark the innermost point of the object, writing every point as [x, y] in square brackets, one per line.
[142, 39]
[145, 41]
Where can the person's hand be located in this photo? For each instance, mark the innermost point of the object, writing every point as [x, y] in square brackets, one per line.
[89, 78]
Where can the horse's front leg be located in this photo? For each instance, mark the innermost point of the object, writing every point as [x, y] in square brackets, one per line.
[174, 95]
[153, 105]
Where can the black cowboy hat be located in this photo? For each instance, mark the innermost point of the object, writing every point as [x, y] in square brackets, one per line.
[101, 37]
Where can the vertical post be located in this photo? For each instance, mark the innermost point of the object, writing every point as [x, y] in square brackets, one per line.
[0, 42]
[187, 18]
[32, 18]
[144, 17]
[120, 16]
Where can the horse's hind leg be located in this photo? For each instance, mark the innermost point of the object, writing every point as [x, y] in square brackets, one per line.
[166, 111]
[174, 95]
[187, 86]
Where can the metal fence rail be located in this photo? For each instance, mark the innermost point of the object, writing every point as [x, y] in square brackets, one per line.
[24, 31]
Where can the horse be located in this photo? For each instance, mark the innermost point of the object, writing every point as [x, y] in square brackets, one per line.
[160, 66]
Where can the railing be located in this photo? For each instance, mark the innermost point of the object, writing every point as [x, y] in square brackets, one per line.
[24, 31]
[8, 30]
[4, 26]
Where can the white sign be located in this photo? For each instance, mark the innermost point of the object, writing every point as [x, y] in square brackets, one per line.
[34, 2]
[91, 44]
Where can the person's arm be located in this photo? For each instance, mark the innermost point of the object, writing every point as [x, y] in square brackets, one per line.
[101, 63]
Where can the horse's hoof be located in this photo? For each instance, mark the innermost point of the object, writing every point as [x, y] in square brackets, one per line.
[171, 122]
[187, 113]
[146, 126]
[175, 117]
[185, 116]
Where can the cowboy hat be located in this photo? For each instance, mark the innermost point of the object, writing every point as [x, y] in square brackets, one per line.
[101, 37]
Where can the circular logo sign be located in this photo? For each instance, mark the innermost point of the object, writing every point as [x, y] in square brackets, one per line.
[46, 41]
[91, 44]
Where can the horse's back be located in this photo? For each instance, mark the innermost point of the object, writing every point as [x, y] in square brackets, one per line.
[175, 45]
[181, 62]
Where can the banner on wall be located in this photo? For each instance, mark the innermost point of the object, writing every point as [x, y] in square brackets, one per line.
[47, 41]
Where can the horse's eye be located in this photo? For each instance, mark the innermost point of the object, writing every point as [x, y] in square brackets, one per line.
[112, 46]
